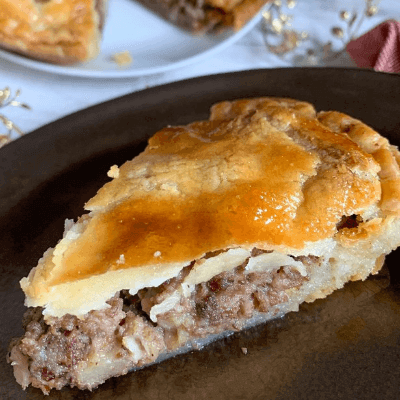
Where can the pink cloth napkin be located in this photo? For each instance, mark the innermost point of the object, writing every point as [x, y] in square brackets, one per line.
[379, 48]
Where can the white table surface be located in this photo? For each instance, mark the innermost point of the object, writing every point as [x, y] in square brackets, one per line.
[53, 96]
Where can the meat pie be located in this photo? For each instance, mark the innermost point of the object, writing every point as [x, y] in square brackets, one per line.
[216, 226]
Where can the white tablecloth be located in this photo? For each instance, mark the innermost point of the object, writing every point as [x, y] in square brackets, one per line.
[53, 96]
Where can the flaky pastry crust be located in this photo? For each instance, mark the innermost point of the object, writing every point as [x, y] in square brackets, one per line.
[264, 173]
[57, 31]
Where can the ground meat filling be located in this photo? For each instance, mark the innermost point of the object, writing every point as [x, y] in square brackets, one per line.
[349, 222]
[53, 350]
[58, 350]
[55, 353]
[195, 15]
[225, 302]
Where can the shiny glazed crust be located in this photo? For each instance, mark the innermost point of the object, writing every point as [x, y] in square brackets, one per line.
[264, 173]
[61, 32]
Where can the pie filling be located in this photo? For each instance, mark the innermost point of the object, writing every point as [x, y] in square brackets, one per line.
[136, 329]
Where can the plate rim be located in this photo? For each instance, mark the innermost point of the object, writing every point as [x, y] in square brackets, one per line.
[43, 130]
[169, 86]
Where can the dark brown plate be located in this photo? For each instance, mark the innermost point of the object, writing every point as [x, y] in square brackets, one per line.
[344, 347]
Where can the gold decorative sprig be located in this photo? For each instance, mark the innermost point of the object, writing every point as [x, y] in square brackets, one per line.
[6, 100]
[281, 39]
[353, 22]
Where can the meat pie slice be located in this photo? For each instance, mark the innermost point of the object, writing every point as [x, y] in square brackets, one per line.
[58, 31]
[216, 226]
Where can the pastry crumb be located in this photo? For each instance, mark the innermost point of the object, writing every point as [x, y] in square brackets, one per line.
[123, 58]
[113, 172]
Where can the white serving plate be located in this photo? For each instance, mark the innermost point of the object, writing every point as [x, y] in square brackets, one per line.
[155, 45]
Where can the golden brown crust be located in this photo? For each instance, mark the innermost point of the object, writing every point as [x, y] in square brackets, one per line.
[371, 142]
[268, 173]
[245, 11]
[227, 110]
[61, 32]
[239, 11]
[226, 5]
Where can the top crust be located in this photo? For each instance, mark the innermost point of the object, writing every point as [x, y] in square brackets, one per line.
[266, 173]
[62, 31]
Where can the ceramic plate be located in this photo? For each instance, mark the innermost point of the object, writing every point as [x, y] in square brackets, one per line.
[346, 346]
[155, 45]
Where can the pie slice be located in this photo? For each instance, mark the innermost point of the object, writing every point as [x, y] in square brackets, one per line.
[216, 226]
[58, 31]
